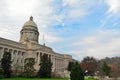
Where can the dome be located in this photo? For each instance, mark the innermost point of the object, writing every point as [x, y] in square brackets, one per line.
[29, 32]
[30, 23]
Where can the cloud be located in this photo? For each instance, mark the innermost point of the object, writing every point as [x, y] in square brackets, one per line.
[112, 16]
[15, 13]
[102, 44]
[52, 39]
[27, 7]
[69, 11]
[49, 38]
[59, 21]
[113, 5]
[7, 33]
[46, 13]
[77, 13]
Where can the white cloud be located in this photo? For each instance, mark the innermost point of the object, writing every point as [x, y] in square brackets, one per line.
[20, 7]
[49, 13]
[6, 32]
[72, 10]
[76, 13]
[100, 45]
[52, 39]
[114, 6]
[15, 13]
[27, 7]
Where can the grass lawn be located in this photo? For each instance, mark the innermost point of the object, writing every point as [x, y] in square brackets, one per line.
[39, 79]
[34, 79]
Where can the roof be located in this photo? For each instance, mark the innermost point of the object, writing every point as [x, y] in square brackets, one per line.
[30, 23]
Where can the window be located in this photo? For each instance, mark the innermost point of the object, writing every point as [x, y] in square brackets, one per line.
[17, 60]
[37, 54]
[22, 53]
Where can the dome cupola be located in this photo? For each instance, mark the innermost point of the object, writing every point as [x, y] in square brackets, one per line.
[29, 32]
[30, 23]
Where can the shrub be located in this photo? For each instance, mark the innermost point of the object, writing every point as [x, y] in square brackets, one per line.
[76, 72]
[1, 74]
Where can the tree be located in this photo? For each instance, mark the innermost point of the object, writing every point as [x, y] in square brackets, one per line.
[1, 74]
[6, 64]
[70, 65]
[106, 69]
[115, 71]
[29, 67]
[90, 65]
[45, 67]
[113, 63]
[76, 72]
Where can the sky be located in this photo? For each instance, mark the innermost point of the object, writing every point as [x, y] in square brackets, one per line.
[76, 27]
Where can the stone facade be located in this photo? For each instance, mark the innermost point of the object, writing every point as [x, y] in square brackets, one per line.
[29, 47]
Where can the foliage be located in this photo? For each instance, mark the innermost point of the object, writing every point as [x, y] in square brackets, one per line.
[90, 65]
[115, 70]
[6, 64]
[112, 60]
[106, 69]
[1, 74]
[29, 67]
[18, 70]
[114, 63]
[35, 79]
[76, 72]
[70, 65]
[45, 67]
[43, 79]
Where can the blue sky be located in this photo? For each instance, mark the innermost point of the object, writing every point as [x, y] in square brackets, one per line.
[76, 27]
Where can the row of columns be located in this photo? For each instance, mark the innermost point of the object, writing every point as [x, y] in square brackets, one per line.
[59, 66]
[39, 54]
[57, 62]
[17, 56]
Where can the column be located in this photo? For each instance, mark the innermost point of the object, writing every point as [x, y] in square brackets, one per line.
[15, 58]
[51, 58]
[22, 58]
[5, 49]
[11, 52]
[38, 58]
[53, 61]
[19, 57]
[14, 55]
[1, 52]
[62, 65]
[57, 64]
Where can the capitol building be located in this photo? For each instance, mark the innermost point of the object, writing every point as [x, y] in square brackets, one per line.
[29, 47]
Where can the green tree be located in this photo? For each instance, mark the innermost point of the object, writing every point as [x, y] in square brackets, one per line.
[45, 67]
[29, 67]
[106, 69]
[1, 74]
[76, 72]
[6, 64]
[70, 65]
